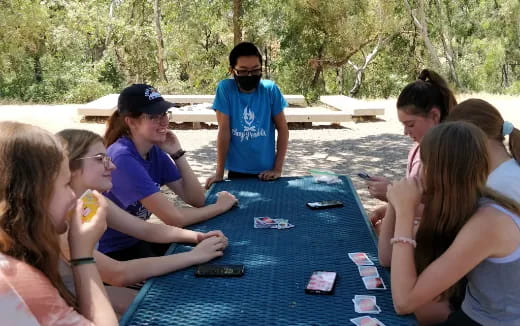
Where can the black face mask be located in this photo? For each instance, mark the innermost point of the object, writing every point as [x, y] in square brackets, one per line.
[247, 83]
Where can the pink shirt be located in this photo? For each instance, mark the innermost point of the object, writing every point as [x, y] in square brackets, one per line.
[414, 164]
[27, 297]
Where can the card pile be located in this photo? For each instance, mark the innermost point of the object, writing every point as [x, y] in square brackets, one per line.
[271, 223]
[366, 304]
[367, 271]
[366, 321]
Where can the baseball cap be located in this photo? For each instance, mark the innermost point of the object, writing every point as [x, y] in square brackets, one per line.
[142, 98]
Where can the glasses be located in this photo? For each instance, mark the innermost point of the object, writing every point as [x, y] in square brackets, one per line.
[156, 118]
[254, 72]
[101, 158]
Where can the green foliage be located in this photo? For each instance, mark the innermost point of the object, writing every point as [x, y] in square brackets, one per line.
[76, 51]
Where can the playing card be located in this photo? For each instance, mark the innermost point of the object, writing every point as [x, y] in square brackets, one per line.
[379, 323]
[368, 271]
[269, 223]
[360, 258]
[374, 283]
[366, 304]
[364, 321]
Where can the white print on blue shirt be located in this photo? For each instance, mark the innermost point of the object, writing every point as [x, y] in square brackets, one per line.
[249, 130]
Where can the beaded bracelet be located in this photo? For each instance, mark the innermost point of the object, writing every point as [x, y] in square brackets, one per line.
[177, 155]
[403, 240]
[81, 261]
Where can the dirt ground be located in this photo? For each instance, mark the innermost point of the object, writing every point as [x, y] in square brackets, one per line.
[376, 147]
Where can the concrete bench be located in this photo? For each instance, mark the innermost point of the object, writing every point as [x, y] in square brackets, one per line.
[105, 106]
[352, 106]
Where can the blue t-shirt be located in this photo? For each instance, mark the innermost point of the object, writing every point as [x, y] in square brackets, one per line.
[252, 144]
[134, 179]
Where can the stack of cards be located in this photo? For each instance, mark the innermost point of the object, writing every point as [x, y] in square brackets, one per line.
[368, 271]
[366, 304]
[270, 223]
[366, 321]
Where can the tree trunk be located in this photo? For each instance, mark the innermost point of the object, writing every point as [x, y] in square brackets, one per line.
[159, 40]
[445, 35]
[109, 26]
[419, 19]
[38, 72]
[237, 21]
[360, 71]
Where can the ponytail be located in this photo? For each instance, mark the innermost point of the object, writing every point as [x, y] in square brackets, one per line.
[117, 127]
[487, 118]
[514, 144]
[428, 91]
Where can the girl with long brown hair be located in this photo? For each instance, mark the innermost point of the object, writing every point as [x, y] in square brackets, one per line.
[504, 168]
[91, 168]
[421, 105]
[466, 229]
[35, 200]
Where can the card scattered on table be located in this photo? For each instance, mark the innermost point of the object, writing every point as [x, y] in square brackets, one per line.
[366, 304]
[374, 283]
[360, 258]
[366, 321]
[368, 271]
[270, 223]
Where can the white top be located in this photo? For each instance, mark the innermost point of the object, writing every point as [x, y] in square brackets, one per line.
[505, 179]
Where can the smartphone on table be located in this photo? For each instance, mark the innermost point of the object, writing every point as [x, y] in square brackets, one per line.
[325, 204]
[213, 270]
[364, 176]
[321, 282]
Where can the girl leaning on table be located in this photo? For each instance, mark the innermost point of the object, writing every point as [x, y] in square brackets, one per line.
[466, 229]
[149, 155]
[91, 168]
[35, 202]
[421, 105]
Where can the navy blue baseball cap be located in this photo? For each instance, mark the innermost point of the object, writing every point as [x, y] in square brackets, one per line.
[142, 98]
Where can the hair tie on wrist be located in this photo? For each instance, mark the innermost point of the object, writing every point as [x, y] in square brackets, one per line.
[82, 261]
[507, 128]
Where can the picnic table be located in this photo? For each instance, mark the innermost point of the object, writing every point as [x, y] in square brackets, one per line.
[278, 263]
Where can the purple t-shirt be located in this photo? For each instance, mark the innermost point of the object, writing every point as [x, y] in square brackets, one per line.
[134, 179]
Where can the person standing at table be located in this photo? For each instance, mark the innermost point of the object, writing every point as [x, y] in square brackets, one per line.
[467, 230]
[421, 105]
[249, 110]
[148, 155]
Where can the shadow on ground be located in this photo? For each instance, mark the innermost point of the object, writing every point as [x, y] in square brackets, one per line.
[381, 155]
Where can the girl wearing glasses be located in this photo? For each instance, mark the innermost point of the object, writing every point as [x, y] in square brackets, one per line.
[148, 155]
[92, 168]
[36, 201]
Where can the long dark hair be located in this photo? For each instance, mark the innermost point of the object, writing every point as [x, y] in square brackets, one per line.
[428, 91]
[30, 161]
[455, 163]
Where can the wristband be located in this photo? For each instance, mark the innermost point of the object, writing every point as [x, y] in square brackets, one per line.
[82, 261]
[178, 154]
[403, 240]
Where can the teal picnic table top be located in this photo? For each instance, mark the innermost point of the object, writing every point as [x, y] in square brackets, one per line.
[278, 263]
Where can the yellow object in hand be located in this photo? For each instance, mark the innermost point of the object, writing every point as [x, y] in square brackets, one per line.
[90, 206]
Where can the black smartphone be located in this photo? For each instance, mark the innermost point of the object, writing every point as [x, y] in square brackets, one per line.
[324, 204]
[211, 270]
[321, 282]
[363, 175]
